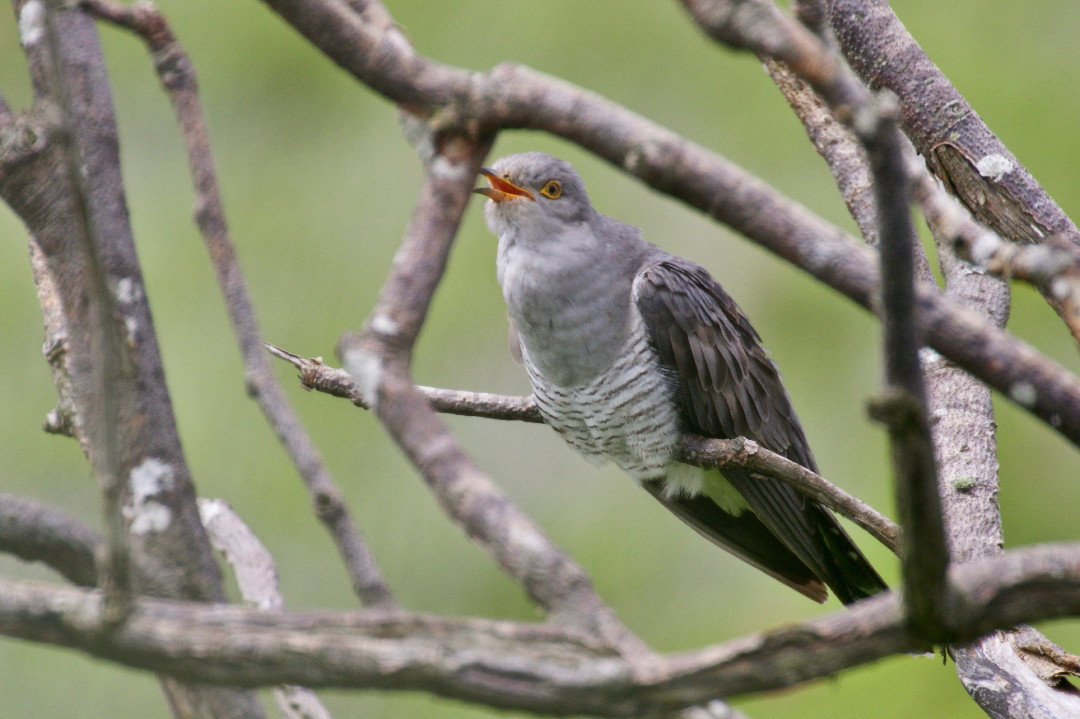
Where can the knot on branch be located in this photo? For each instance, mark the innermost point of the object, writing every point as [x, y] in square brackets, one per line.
[717, 452]
[897, 409]
[21, 139]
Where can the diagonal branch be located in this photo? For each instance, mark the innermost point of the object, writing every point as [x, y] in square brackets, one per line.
[959, 148]
[378, 360]
[257, 578]
[101, 394]
[177, 76]
[512, 96]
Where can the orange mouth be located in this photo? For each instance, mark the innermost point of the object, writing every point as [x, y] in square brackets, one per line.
[501, 189]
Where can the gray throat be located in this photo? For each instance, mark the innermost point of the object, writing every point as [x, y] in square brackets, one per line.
[570, 300]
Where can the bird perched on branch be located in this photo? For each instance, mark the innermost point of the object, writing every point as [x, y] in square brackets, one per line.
[627, 347]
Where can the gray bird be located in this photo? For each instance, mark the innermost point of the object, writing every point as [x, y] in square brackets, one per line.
[627, 347]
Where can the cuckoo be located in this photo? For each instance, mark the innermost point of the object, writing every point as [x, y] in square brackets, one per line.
[627, 347]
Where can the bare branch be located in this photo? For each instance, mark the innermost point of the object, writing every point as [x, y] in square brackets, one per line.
[1052, 267]
[177, 77]
[38, 533]
[169, 550]
[337, 382]
[257, 578]
[837, 145]
[741, 452]
[99, 395]
[539, 668]
[698, 451]
[958, 146]
[757, 25]
[511, 96]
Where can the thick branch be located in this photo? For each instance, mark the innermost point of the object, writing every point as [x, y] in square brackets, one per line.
[169, 550]
[946, 130]
[539, 668]
[177, 76]
[101, 392]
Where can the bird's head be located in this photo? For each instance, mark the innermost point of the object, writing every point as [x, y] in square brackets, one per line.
[533, 193]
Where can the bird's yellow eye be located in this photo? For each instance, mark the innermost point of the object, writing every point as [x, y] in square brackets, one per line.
[552, 189]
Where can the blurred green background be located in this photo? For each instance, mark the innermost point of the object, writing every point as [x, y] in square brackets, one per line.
[319, 184]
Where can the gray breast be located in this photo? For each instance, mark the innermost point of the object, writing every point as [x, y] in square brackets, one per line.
[627, 413]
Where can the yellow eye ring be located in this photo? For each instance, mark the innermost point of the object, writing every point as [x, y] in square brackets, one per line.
[552, 189]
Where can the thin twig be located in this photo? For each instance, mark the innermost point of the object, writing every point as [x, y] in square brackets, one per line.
[698, 451]
[314, 374]
[178, 79]
[257, 578]
[742, 452]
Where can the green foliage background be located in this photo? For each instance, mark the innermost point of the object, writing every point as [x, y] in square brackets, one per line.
[319, 185]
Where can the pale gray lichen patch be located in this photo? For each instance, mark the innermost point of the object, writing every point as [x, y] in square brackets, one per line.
[147, 480]
[366, 369]
[964, 484]
[32, 23]
[994, 166]
[1024, 393]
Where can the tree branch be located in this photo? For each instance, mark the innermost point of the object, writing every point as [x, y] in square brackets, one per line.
[1052, 267]
[698, 451]
[257, 577]
[512, 96]
[170, 554]
[38, 533]
[100, 393]
[757, 26]
[958, 146]
[337, 382]
[177, 76]
[540, 668]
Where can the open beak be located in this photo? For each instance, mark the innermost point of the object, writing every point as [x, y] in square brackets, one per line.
[501, 190]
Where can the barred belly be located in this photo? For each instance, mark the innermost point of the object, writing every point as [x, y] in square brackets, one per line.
[627, 414]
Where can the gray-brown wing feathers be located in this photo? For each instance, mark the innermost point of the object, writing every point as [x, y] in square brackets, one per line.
[728, 387]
